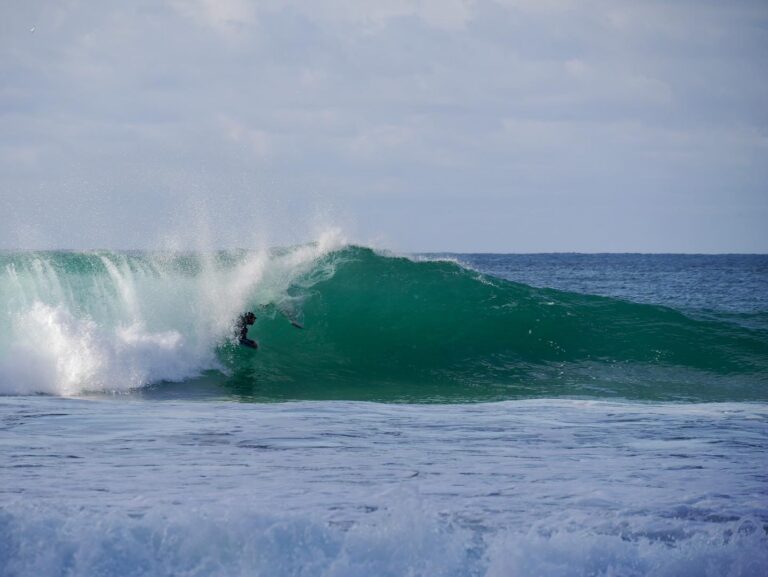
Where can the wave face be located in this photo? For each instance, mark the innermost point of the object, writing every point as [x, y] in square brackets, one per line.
[376, 327]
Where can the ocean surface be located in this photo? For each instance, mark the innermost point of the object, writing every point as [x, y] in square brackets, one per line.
[421, 415]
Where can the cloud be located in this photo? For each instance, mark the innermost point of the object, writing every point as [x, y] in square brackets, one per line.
[224, 16]
[483, 107]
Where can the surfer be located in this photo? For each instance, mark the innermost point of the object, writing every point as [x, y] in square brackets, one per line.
[243, 322]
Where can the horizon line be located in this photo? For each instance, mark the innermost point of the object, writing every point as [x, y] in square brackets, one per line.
[395, 251]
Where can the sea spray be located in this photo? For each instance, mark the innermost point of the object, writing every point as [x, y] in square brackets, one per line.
[106, 321]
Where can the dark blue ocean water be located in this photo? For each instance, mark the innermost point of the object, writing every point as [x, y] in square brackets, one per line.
[732, 286]
[736, 283]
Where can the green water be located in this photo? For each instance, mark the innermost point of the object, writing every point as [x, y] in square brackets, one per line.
[390, 328]
[376, 327]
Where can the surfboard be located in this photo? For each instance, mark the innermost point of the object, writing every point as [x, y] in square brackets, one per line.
[248, 343]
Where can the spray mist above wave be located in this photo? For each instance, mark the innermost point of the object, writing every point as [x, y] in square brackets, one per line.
[105, 321]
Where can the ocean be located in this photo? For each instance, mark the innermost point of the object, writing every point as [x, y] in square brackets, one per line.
[405, 415]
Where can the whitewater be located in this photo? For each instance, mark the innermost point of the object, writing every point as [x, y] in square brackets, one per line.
[485, 415]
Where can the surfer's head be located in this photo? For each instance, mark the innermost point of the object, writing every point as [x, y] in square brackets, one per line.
[249, 317]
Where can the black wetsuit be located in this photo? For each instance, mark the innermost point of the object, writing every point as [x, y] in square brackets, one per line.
[242, 330]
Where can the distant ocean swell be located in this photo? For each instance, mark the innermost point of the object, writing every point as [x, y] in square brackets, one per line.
[376, 327]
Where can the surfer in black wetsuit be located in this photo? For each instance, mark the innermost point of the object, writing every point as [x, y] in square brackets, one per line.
[243, 322]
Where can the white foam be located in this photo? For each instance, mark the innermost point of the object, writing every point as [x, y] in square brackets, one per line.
[134, 320]
[547, 488]
[58, 353]
[231, 541]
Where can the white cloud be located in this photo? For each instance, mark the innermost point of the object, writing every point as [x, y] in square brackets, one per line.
[224, 16]
[257, 142]
[447, 14]
[437, 101]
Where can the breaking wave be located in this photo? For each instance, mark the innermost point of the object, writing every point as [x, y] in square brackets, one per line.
[375, 327]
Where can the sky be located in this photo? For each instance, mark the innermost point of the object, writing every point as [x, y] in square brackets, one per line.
[413, 125]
